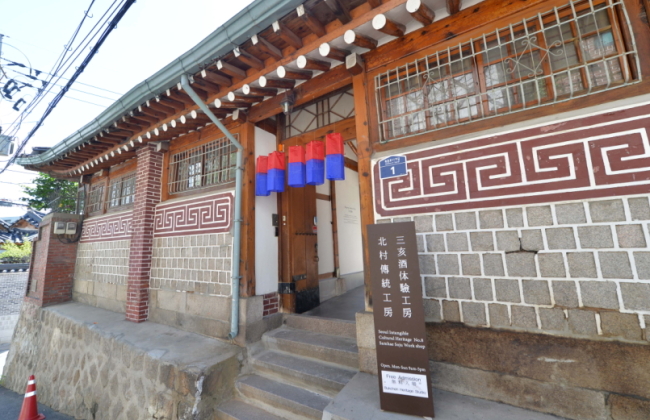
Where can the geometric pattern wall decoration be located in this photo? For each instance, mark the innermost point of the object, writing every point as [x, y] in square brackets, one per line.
[107, 228]
[599, 155]
[207, 214]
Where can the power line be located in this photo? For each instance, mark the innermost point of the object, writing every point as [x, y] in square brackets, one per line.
[15, 126]
[112, 25]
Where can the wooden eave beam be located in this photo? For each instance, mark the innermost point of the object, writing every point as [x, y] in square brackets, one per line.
[216, 78]
[288, 73]
[276, 83]
[161, 107]
[151, 113]
[453, 6]
[236, 97]
[311, 21]
[253, 90]
[374, 3]
[145, 120]
[381, 23]
[266, 46]
[287, 35]
[326, 50]
[122, 125]
[306, 63]
[247, 58]
[420, 12]
[320, 85]
[179, 95]
[223, 105]
[231, 69]
[200, 84]
[354, 38]
[340, 10]
[175, 101]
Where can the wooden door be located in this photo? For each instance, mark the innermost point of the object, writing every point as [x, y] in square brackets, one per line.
[299, 250]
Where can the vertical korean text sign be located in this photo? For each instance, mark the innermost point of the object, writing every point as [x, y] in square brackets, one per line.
[400, 334]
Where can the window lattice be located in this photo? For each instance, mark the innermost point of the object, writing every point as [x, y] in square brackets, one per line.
[326, 111]
[568, 52]
[203, 166]
[95, 198]
[122, 191]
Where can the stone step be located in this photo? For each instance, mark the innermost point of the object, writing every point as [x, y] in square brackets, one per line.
[327, 326]
[238, 410]
[282, 399]
[317, 376]
[329, 348]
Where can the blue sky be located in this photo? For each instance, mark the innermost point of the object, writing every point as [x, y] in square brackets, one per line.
[151, 34]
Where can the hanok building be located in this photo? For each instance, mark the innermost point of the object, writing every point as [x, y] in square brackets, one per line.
[524, 130]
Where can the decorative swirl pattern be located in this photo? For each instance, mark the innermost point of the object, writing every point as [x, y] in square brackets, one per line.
[597, 156]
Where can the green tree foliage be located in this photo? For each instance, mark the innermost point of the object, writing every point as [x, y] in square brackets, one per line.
[59, 195]
[16, 254]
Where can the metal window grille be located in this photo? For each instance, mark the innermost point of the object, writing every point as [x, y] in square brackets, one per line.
[571, 51]
[122, 191]
[326, 111]
[95, 198]
[203, 166]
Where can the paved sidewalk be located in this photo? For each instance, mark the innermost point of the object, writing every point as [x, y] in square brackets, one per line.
[11, 404]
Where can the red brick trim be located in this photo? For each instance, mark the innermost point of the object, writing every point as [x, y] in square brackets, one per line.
[271, 304]
[147, 195]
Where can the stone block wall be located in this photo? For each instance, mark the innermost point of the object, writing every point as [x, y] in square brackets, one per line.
[90, 364]
[101, 274]
[579, 269]
[193, 263]
[190, 284]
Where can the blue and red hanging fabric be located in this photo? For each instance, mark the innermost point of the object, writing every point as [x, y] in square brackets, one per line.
[261, 186]
[315, 163]
[296, 166]
[335, 159]
[276, 172]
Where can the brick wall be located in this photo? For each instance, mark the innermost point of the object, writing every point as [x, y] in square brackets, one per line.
[147, 195]
[573, 269]
[51, 276]
[101, 274]
[271, 304]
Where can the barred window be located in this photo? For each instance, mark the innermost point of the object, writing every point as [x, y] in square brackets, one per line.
[325, 111]
[95, 198]
[122, 191]
[203, 166]
[568, 52]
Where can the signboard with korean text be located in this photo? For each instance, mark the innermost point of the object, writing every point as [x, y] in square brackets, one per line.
[400, 334]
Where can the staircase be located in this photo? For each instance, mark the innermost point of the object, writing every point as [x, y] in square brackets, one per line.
[299, 369]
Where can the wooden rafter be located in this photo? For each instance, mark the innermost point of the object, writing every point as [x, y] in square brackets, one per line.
[453, 6]
[382, 24]
[216, 78]
[266, 46]
[287, 35]
[353, 38]
[420, 12]
[231, 69]
[306, 63]
[253, 90]
[311, 21]
[248, 58]
[288, 73]
[326, 50]
[340, 10]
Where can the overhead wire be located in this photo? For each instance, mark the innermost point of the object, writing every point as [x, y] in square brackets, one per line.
[13, 128]
[113, 23]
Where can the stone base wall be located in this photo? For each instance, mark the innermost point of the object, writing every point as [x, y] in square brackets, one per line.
[101, 274]
[579, 379]
[90, 364]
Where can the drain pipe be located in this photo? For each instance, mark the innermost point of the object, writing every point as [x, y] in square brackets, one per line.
[236, 248]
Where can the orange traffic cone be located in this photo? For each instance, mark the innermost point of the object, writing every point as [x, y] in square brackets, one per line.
[30, 407]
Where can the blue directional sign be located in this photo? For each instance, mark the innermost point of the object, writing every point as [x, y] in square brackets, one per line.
[392, 166]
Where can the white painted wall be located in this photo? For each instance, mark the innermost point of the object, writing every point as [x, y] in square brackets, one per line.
[266, 243]
[325, 236]
[348, 213]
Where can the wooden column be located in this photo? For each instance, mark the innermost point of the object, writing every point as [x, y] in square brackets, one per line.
[247, 257]
[364, 148]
